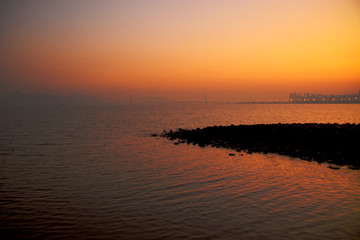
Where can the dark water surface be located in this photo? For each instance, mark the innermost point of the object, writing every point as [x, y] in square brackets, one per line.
[94, 172]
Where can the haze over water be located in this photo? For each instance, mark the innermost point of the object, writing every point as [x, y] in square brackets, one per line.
[94, 172]
[75, 167]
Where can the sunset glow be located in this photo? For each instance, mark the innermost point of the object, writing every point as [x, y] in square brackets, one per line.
[233, 50]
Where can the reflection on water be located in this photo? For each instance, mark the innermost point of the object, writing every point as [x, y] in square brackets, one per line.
[82, 172]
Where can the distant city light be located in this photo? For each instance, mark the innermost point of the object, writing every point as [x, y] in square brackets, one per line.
[321, 98]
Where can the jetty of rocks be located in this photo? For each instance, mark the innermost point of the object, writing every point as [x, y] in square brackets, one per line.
[333, 143]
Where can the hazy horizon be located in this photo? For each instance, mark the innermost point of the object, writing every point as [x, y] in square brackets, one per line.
[180, 50]
[200, 98]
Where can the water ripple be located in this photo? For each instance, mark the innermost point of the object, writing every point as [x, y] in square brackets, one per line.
[85, 173]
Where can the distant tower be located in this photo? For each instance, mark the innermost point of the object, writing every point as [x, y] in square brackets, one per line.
[205, 100]
[130, 99]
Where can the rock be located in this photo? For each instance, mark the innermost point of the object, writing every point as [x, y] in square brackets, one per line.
[334, 167]
[319, 142]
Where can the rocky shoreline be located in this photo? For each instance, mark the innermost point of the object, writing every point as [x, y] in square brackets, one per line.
[333, 143]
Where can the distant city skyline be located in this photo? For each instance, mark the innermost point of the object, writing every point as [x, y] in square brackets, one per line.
[322, 98]
[74, 97]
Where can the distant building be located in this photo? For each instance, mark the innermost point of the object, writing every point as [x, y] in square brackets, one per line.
[321, 98]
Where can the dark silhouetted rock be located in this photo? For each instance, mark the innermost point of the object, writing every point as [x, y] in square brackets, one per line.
[334, 143]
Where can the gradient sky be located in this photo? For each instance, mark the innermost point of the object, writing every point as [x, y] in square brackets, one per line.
[237, 50]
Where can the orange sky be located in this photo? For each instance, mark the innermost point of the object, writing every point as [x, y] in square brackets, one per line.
[231, 49]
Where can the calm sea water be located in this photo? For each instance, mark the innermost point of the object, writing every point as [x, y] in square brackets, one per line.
[94, 172]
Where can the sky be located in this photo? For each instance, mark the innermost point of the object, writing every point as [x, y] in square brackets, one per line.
[230, 50]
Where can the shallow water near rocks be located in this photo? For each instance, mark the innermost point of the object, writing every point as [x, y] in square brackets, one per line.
[94, 172]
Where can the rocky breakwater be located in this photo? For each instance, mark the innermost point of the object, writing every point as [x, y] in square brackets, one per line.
[333, 143]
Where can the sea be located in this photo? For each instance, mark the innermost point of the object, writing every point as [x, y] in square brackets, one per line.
[95, 172]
